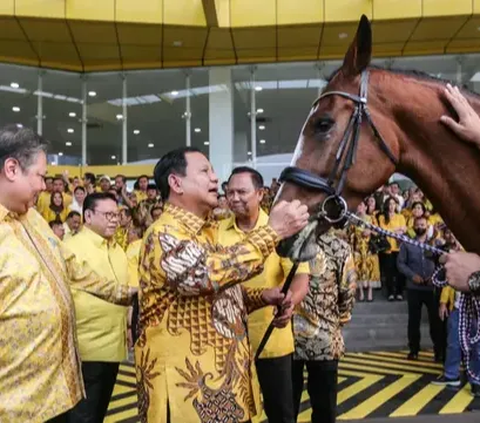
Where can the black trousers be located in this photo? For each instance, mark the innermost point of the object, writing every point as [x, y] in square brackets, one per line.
[275, 377]
[390, 273]
[99, 378]
[321, 386]
[135, 315]
[416, 299]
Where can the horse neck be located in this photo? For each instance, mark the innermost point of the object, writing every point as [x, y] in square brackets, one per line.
[446, 168]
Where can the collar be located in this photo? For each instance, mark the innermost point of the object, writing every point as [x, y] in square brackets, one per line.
[96, 239]
[192, 223]
[261, 221]
[3, 213]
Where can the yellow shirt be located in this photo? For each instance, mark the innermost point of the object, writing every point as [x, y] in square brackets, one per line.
[193, 351]
[40, 373]
[396, 222]
[274, 274]
[141, 195]
[133, 257]
[43, 201]
[49, 215]
[121, 236]
[101, 326]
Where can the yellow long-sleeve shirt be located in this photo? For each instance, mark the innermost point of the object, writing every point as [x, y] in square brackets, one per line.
[133, 257]
[101, 326]
[40, 375]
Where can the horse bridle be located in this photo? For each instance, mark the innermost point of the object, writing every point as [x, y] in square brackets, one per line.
[345, 156]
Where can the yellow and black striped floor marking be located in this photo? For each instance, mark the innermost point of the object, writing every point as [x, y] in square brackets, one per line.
[370, 385]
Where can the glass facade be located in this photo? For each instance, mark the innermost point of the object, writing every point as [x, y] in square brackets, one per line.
[135, 117]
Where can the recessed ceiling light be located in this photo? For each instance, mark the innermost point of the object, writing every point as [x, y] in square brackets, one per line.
[262, 141]
[249, 153]
[113, 157]
[262, 127]
[14, 85]
[136, 131]
[60, 154]
[151, 145]
[92, 93]
[119, 117]
[258, 88]
[206, 143]
[197, 130]
[19, 125]
[68, 144]
[174, 93]
[177, 44]
[72, 114]
[16, 109]
[259, 110]
[342, 35]
[70, 130]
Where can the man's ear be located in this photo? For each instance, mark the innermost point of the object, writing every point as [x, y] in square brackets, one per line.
[11, 169]
[175, 184]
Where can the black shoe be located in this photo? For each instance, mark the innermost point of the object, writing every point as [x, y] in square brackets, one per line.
[475, 390]
[391, 298]
[399, 297]
[445, 381]
[412, 356]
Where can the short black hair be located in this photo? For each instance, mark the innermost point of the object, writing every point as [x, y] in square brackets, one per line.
[124, 178]
[48, 178]
[257, 178]
[90, 177]
[143, 176]
[91, 200]
[174, 162]
[56, 222]
[79, 189]
[157, 207]
[21, 144]
[73, 214]
[151, 186]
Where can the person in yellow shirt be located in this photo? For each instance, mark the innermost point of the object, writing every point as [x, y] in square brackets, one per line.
[89, 181]
[73, 224]
[274, 366]
[101, 326]
[395, 222]
[141, 187]
[59, 186]
[40, 377]
[44, 197]
[193, 357]
[56, 209]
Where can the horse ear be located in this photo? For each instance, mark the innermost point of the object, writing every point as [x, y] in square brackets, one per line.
[359, 53]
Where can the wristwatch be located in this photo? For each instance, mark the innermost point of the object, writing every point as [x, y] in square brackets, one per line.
[474, 283]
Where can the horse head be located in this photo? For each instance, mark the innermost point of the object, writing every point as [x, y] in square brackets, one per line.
[337, 157]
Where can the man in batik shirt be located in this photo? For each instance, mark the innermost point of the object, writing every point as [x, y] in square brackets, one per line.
[40, 377]
[317, 326]
[193, 358]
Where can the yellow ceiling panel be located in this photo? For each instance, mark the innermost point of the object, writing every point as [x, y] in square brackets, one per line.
[254, 38]
[40, 8]
[397, 9]
[470, 30]
[150, 11]
[188, 37]
[433, 8]
[224, 54]
[93, 32]
[332, 52]
[388, 49]
[425, 47]
[140, 53]
[184, 12]
[250, 13]
[347, 10]
[95, 10]
[135, 65]
[46, 30]
[339, 34]
[57, 53]
[292, 13]
[476, 6]
[219, 38]
[99, 55]
[222, 8]
[299, 35]
[175, 54]
[259, 55]
[182, 63]
[393, 31]
[10, 29]
[438, 28]
[464, 46]
[297, 53]
[148, 35]
[7, 7]
[17, 51]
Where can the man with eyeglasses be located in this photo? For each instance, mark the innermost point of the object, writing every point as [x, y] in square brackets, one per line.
[101, 326]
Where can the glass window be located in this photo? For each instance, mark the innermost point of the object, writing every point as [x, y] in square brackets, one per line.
[199, 105]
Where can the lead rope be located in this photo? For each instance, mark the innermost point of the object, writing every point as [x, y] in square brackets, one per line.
[469, 305]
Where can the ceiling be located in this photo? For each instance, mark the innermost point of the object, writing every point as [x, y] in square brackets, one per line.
[92, 35]
[288, 90]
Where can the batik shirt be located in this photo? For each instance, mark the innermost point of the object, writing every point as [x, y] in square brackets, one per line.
[327, 306]
[40, 372]
[193, 351]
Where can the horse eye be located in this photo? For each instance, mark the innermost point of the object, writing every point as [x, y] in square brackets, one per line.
[323, 125]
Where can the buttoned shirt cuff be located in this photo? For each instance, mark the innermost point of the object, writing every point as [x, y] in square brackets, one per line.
[254, 299]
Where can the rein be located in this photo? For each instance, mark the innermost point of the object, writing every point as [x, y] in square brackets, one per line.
[469, 307]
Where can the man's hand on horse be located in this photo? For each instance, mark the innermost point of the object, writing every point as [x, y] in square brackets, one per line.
[459, 267]
[287, 219]
[284, 303]
[468, 125]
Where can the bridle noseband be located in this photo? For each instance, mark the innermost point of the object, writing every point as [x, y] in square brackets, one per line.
[344, 158]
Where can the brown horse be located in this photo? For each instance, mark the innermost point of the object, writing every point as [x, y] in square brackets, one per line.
[405, 108]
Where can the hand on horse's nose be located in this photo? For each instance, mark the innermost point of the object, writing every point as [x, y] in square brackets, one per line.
[287, 219]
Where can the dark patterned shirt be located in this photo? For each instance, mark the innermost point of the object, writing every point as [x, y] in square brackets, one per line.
[319, 318]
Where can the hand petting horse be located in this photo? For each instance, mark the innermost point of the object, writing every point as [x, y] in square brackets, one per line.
[371, 122]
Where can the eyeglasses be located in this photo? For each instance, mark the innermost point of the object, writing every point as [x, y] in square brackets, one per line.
[109, 215]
